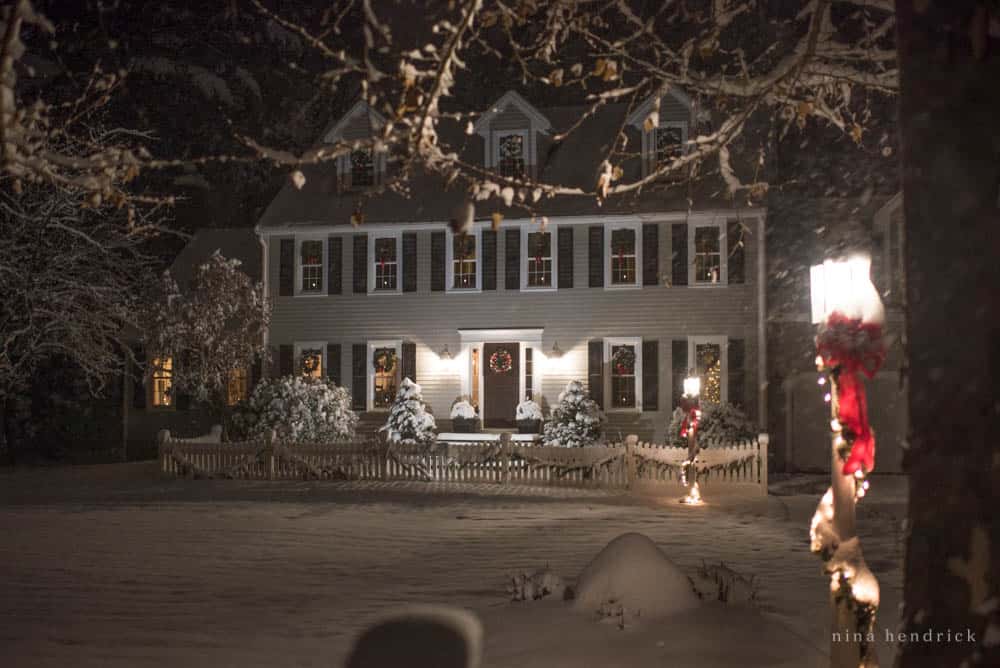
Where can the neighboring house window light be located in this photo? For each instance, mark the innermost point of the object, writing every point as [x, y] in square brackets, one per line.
[623, 364]
[708, 366]
[386, 264]
[311, 362]
[539, 260]
[385, 376]
[237, 387]
[163, 381]
[707, 254]
[511, 155]
[669, 143]
[464, 261]
[362, 168]
[623, 257]
[311, 261]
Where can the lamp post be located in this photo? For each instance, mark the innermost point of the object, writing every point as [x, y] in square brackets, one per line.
[689, 429]
[849, 342]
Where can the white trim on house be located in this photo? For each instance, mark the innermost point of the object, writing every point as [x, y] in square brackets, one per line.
[721, 223]
[553, 256]
[609, 228]
[397, 344]
[372, 237]
[299, 346]
[450, 262]
[324, 264]
[723, 343]
[636, 343]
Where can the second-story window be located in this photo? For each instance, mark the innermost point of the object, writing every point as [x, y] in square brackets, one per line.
[311, 263]
[539, 260]
[511, 152]
[707, 254]
[623, 257]
[386, 264]
[464, 261]
[362, 168]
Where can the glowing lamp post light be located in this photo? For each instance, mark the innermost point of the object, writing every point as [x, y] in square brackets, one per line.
[689, 430]
[849, 342]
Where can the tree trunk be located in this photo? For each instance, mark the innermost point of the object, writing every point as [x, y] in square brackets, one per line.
[950, 127]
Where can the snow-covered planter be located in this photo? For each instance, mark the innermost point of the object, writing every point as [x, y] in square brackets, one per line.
[464, 418]
[529, 417]
[409, 421]
[576, 420]
[300, 409]
[718, 423]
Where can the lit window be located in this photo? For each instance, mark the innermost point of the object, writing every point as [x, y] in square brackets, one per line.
[237, 387]
[311, 362]
[623, 376]
[386, 264]
[311, 262]
[475, 377]
[163, 381]
[539, 259]
[529, 381]
[385, 375]
[511, 155]
[464, 261]
[362, 168]
[669, 143]
[707, 254]
[708, 366]
[623, 257]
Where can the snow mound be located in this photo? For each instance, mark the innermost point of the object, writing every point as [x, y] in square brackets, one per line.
[633, 573]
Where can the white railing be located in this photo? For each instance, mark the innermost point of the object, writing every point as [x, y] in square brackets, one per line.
[628, 465]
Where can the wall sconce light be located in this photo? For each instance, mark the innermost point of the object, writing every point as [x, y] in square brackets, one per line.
[556, 352]
[445, 354]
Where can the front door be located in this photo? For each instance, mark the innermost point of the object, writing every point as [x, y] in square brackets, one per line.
[501, 382]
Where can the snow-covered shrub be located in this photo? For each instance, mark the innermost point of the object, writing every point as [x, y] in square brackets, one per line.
[576, 420]
[301, 409]
[529, 410]
[409, 421]
[463, 409]
[719, 422]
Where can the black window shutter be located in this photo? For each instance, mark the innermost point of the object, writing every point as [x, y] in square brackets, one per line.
[360, 263]
[409, 262]
[408, 365]
[512, 259]
[650, 375]
[737, 372]
[333, 366]
[650, 254]
[139, 373]
[596, 256]
[286, 363]
[595, 370]
[437, 261]
[286, 268]
[679, 251]
[335, 265]
[679, 366]
[359, 377]
[489, 241]
[565, 257]
[736, 253]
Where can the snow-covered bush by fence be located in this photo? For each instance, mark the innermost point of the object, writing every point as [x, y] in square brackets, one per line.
[301, 409]
[409, 421]
[529, 410]
[576, 420]
[719, 422]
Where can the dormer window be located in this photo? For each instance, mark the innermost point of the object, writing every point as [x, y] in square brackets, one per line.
[510, 129]
[510, 153]
[665, 128]
[362, 168]
[671, 141]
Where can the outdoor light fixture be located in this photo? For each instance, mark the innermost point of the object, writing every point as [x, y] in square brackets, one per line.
[844, 287]
[556, 352]
[445, 355]
[692, 385]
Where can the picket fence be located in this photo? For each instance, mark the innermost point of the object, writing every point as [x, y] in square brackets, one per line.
[632, 464]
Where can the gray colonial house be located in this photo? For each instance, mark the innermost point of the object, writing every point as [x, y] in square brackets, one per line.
[665, 281]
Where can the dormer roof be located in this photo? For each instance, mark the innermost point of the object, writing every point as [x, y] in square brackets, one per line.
[673, 94]
[359, 121]
[538, 121]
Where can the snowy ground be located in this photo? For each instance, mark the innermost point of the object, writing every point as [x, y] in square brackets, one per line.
[111, 566]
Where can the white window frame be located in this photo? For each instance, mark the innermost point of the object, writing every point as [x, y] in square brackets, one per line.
[299, 292]
[397, 344]
[721, 224]
[309, 345]
[608, 229]
[494, 153]
[554, 256]
[372, 237]
[346, 174]
[723, 343]
[649, 143]
[450, 262]
[635, 342]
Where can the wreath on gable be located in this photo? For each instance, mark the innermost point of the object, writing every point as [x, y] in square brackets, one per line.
[384, 360]
[501, 361]
[623, 360]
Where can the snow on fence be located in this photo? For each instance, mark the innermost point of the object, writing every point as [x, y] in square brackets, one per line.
[628, 465]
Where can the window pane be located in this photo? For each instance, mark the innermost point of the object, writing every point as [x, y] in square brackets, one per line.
[236, 388]
[163, 372]
[539, 259]
[464, 261]
[362, 168]
[623, 376]
[511, 162]
[669, 143]
[623, 269]
[708, 357]
[707, 258]
[311, 253]
[385, 264]
[311, 362]
[386, 366]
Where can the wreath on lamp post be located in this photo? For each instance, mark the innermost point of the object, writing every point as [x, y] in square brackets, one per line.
[384, 360]
[623, 360]
[501, 361]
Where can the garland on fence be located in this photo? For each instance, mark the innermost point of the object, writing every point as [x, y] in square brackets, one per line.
[561, 469]
[188, 467]
[645, 463]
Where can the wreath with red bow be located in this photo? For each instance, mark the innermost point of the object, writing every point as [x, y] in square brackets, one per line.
[623, 360]
[501, 361]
